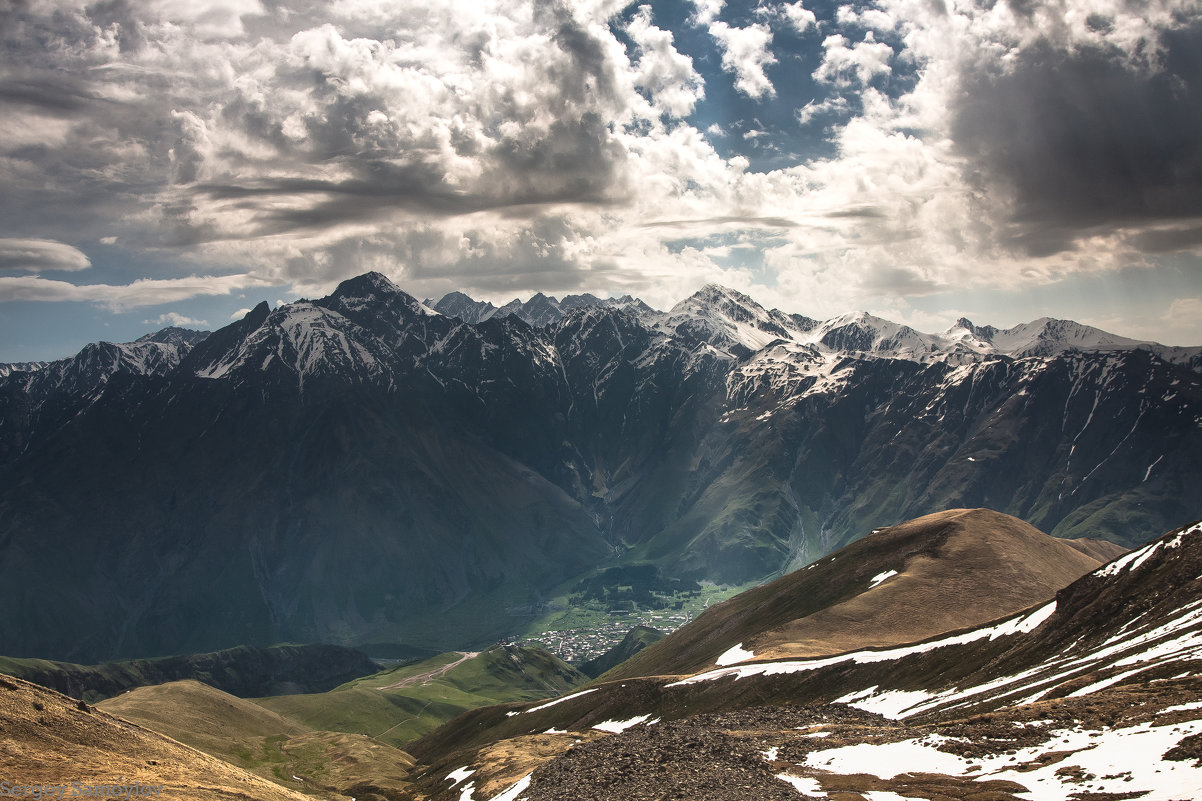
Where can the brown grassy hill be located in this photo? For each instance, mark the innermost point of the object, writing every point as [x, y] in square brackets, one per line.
[1102, 550]
[266, 743]
[47, 739]
[200, 715]
[954, 569]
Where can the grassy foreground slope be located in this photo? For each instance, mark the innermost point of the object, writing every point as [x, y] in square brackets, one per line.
[402, 704]
[50, 739]
[249, 736]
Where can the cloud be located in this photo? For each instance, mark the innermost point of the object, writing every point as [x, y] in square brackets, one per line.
[799, 17]
[1082, 138]
[1167, 240]
[215, 19]
[36, 255]
[142, 292]
[665, 73]
[1190, 308]
[745, 52]
[900, 281]
[1185, 316]
[238, 315]
[834, 105]
[511, 145]
[175, 319]
[757, 222]
[866, 18]
[845, 66]
[707, 11]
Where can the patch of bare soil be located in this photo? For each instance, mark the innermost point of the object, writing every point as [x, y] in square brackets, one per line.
[431, 675]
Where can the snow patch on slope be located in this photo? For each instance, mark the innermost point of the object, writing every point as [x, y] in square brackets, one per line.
[879, 577]
[552, 703]
[1021, 624]
[459, 775]
[615, 726]
[1116, 760]
[734, 655]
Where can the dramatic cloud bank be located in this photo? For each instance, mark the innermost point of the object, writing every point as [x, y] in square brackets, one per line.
[919, 149]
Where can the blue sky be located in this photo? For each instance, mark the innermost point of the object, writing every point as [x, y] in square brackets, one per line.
[172, 162]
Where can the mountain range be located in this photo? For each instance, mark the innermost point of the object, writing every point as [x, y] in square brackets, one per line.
[367, 467]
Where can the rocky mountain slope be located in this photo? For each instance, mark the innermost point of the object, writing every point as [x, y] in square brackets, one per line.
[364, 468]
[1093, 692]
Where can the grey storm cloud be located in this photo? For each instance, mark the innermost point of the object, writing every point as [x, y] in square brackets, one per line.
[121, 16]
[1086, 139]
[47, 93]
[899, 281]
[576, 161]
[586, 53]
[572, 158]
[1168, 240]
[573, 162]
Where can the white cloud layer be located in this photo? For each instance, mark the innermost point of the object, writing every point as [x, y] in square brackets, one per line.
[507, 146]
[35, 255]
[706, 11]
[142, 292]
[666, 74]
[176, 319]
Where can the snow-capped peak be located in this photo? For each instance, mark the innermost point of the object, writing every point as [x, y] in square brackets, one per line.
[726, 319]
[864, 333]
[1047, 337]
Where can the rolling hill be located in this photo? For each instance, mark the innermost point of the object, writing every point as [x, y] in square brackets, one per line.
[399, 705]
[326, 764]
[50, 739]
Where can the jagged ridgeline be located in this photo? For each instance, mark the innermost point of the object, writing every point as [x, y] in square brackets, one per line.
[370, 468]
